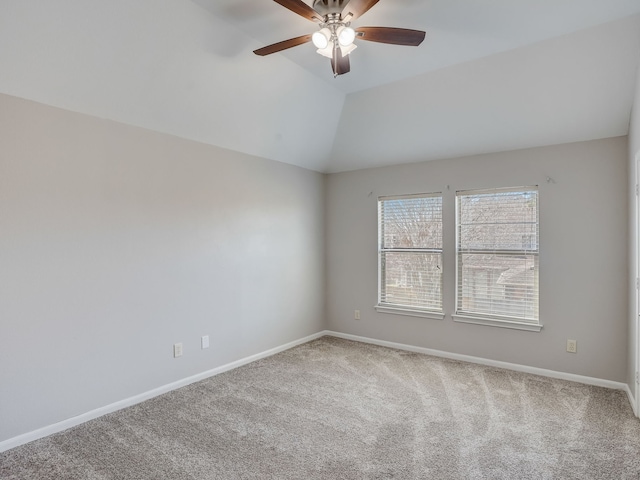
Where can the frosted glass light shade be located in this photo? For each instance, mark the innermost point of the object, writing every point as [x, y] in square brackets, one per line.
[321, 38]
[348, 49]
[346, 36]
[327, 51]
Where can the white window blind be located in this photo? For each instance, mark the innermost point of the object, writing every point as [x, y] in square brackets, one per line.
[410, 252]
[497, 235]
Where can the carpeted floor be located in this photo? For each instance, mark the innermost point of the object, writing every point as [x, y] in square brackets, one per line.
[335, 409]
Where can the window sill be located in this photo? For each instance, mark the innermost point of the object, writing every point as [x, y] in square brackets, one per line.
[409, 312]
[492, 322]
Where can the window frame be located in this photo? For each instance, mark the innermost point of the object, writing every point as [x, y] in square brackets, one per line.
[488, 319]
[399, 309]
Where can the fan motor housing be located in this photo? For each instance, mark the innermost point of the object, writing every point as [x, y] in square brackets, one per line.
[328, 7]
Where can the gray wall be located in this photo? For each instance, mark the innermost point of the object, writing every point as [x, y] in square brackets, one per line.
[117, 242]
[583, 259]
[634, 155]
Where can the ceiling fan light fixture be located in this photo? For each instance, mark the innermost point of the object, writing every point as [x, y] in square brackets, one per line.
[334, 37]
[346, 36]
[322, 38]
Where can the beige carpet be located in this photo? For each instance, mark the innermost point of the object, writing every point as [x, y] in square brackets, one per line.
[335, 409]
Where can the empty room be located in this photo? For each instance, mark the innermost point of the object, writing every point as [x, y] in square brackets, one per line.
[319, 239]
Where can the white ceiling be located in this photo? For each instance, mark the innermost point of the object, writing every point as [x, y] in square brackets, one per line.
[457, 31]
[492, 75]
[566, 89]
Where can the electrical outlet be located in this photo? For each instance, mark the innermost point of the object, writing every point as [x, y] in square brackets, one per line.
[357, 315]
[177, 350]
[204, 341]
[572, 346]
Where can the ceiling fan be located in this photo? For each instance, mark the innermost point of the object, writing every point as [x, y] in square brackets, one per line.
[335, 39]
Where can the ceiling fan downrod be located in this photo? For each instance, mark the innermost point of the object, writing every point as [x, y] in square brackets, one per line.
[329, 7]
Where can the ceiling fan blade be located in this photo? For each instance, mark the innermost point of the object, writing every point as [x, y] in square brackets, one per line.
[357, 8]
[340, 64]
[302, 9]
[278, 47]
[394, 36]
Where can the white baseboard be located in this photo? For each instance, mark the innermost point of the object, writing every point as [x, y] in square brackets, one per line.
[98, 412]
[484, 361]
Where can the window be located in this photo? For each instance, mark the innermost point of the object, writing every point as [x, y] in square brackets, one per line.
[497, 257]
[410, 254]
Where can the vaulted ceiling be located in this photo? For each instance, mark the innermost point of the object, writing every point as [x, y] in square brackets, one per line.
[492, 75]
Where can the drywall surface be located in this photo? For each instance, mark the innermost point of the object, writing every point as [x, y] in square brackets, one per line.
[634, 158]
[583, 255]
[117, 242]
